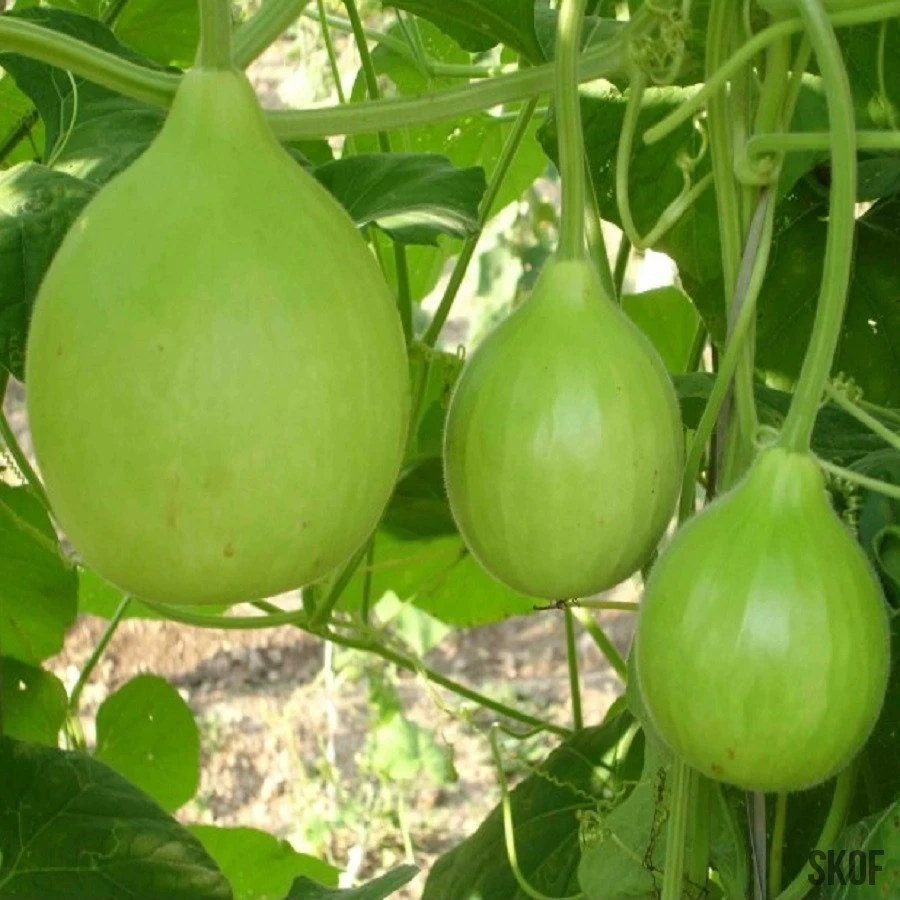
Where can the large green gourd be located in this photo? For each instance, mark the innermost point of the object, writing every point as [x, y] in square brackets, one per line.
[563, 451]
[762, 640]
[216, 373]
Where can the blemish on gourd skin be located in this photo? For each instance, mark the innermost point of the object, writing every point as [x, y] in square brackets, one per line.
[172, 514]
[729, 752]
[228, 552]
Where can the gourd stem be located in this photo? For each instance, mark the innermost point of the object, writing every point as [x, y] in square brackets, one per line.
[507, 155]
[726, 125]
[750, 280]
[776, 852]
[683, 788]
[214, 50]
[870, 484]
[571, 138]
[96, 653]
[572, 659]
[259, 32]
[838, 264]
[840, 806]
[697, 868]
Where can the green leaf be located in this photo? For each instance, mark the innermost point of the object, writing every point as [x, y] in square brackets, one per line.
[258, 865]
[878, 837]
[97, 597]
[71, 827]
[80, 117]
[304, 889]
[412, 197]
[887, 553]
[419, 631]
[875, 108]
[787, 304]
[403, 752]
[478, 25]
[421, 558]
[37, 207]
[881, 783]
[440, 577]
[32, 702]
[624, 844]
[476, 139]
[667, 316]
[165, 31]
[879, 518]
[838, 437]
[147, 733]
[547, 808]
[868, 351]
[419, 507]
[654, 179]
[38, 588]
[433, 375]
[18, 121]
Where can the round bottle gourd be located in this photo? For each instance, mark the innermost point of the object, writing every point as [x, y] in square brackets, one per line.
[563, 444]
[762, 643]
[217, 382]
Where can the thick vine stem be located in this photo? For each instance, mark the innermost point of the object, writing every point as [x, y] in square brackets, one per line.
[683, 789]
[571, 138]
[256, 35]
[838, 264]
[798, 142]
[214, 50]
[750, 281]
[106, 69]
[776, 854]
[158, 88]
[608, 60]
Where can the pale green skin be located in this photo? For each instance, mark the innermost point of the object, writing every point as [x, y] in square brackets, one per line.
[217, 377]
[763, 641]
[563, 446]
